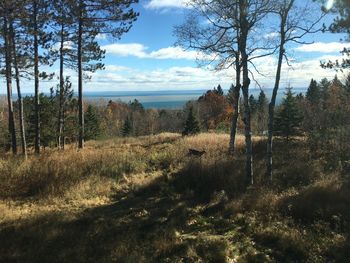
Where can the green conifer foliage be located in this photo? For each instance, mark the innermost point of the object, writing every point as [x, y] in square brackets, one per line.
[127, 127]
[313, 93]
[92, 125]
[219, 90]
[288, 118]
[191, 125]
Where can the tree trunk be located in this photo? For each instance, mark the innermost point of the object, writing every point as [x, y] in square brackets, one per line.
[80, 77]
[60, 141]
[273, 104]
[247, 131]
[244, 26]
[12, 129]
[236, 94]
[36, 79]
[19, 93]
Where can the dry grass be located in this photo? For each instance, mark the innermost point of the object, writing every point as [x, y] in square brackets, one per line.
[144, 200]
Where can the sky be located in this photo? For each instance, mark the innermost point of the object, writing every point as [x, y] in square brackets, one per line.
[146, 57]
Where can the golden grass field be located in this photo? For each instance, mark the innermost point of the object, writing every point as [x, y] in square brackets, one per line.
[144, 200]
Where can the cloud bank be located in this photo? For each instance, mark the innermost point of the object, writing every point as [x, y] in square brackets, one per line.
[141, 51]
[323, 47]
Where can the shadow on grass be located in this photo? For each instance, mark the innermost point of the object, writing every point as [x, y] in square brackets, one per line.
[148, 225]
[178, 218]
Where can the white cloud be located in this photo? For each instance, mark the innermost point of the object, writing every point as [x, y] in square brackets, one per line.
[159, 4]
[116, 68]
[323, 47]
[174, 53]
[118, 77]
[141, 51]
[157, 79]
[204, 78]
[124, 50]
[299, 75]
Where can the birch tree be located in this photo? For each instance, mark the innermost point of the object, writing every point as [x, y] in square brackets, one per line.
[226, 35]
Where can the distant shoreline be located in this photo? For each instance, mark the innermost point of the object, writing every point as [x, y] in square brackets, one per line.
[162, 99]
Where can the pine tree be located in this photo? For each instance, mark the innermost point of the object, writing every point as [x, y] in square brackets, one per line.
[313, 93]
[92, 125]
[35, 23]
[109, 17]
[347, 84]
[191, 125]
[324, 85]
[127, 127]
[136, 106]
[262, 101]
[288, 118]
[64, 28]
[5, 10]
[253, 104]
[219, 90]
[15, 58]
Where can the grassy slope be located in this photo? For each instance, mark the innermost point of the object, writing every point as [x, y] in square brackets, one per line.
[144, 200]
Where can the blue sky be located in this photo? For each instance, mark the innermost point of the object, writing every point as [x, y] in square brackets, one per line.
[146, 58]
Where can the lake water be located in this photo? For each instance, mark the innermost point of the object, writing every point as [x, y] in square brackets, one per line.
[166, 99]
[170, 99]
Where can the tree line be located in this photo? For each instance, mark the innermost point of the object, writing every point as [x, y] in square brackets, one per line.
[37, 33]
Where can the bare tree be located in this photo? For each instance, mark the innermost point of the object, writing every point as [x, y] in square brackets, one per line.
[295, 22]
[226, 35]
[216, 37]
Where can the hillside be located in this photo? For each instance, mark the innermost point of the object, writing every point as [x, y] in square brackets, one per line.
[144, 200]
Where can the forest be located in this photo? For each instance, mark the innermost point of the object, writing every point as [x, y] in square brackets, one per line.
[228, 177]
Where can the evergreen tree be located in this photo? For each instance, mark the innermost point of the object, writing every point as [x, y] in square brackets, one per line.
[109, 17]
[324, 85]
[92, 124]
[262, 101]
[219, 90]
[8, 74]
[37, 17]
[253, 104]
[288, 118]
[136, 106]
[64, 29]
[68, 105]
[347, 84]
[48, 127]
[127, 127]
[313, 93]
[191, 125]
